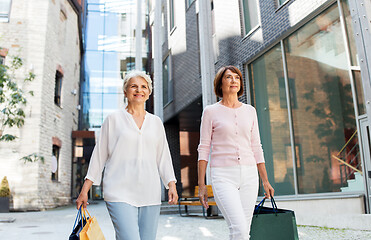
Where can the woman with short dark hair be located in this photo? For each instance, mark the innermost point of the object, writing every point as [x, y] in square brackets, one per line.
[230, 129]
[132, 148]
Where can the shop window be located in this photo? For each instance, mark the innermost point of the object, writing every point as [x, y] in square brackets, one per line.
[58, 88]
[250, 15]
[5, 6]
[268, 95]
[324, 119]
[55, 163]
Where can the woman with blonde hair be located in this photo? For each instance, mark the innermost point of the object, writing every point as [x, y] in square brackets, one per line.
[230, 129]
[133, 150]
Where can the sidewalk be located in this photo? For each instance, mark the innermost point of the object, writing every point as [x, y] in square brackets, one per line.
[57, 224]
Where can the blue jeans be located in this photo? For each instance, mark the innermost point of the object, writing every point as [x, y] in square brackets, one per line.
[134, 223]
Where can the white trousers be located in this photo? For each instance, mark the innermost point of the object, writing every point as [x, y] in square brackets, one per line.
[235, 192]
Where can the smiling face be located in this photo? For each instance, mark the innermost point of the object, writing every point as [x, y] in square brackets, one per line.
[137, 90]
[231, 83]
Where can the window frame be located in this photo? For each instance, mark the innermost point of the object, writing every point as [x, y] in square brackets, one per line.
[253, 28]
[58, 88]
[171, 20]
[170, 84]
[56, 153]
[6, 16]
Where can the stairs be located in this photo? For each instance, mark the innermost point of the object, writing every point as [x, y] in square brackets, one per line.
[354, 185]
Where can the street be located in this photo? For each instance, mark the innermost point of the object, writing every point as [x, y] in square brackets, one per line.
[57, 224]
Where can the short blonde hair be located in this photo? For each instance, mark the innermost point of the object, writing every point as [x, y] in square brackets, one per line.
[137, 73]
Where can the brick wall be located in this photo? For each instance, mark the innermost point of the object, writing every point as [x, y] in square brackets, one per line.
[45, 38]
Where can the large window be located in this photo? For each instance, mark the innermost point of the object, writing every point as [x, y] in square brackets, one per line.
[5, 6]
[250, 15]
[266, 77]
[306, 111]
[110, 53]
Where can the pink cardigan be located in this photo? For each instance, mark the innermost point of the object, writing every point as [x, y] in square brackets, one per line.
[232, 134]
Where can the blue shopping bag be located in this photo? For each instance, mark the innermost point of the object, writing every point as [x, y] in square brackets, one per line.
[79, 224]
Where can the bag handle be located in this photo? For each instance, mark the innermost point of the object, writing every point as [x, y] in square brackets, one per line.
[260, 205]
[77, 217]
[84, 211]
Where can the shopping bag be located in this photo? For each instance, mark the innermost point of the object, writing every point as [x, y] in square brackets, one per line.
[77, 226]
[91, 230]
[273, 223]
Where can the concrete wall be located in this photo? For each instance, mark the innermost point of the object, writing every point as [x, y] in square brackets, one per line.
[45, 35]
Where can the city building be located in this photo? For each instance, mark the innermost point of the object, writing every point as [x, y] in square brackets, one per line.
[47, 36]
[306, 67]
[117, 39]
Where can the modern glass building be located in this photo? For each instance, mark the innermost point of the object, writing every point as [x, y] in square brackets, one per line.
[307, 72]
[113, 47]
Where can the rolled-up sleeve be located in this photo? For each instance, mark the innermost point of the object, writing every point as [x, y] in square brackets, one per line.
[164, 162]
[99, 156]
[256, 145]
[205, 135]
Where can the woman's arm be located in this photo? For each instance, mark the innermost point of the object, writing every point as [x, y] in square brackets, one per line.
[202, 190]
[83, 197]
[269, 191]
[173, 195]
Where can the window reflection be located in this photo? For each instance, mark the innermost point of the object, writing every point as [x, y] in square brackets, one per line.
[324, 119]
[269, 98]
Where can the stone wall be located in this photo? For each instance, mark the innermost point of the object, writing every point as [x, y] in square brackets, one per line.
[45, 35]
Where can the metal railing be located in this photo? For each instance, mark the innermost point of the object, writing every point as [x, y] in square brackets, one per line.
[349, 158]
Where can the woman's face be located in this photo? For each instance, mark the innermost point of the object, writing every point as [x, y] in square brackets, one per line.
[230, 83]
[137, 90]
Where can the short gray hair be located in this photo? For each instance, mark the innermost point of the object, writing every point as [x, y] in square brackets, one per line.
[137, 73]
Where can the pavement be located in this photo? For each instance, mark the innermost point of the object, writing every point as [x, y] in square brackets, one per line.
[56, 224]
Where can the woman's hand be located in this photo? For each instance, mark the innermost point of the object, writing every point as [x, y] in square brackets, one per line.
[173, 195]
[269, 191]
[82, 200]
[202, 195]
[83, 197]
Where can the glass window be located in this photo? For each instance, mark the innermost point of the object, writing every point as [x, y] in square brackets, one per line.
[94, 30]
[58, 88]
[250, 15]
[323, 120]
[359, 92]
[280, 2]
[350, 33]
[189, 3]
[5, 6]
[267, 81]
[172, 17]
[167, 82]
[55, 163]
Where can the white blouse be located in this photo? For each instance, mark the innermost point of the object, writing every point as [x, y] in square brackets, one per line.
[134, 160]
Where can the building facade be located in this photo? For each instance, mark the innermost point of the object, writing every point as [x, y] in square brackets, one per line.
[305, 66]
[47, 36]
[117, 40]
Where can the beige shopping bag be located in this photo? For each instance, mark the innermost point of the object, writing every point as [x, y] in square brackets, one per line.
[91, 230]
